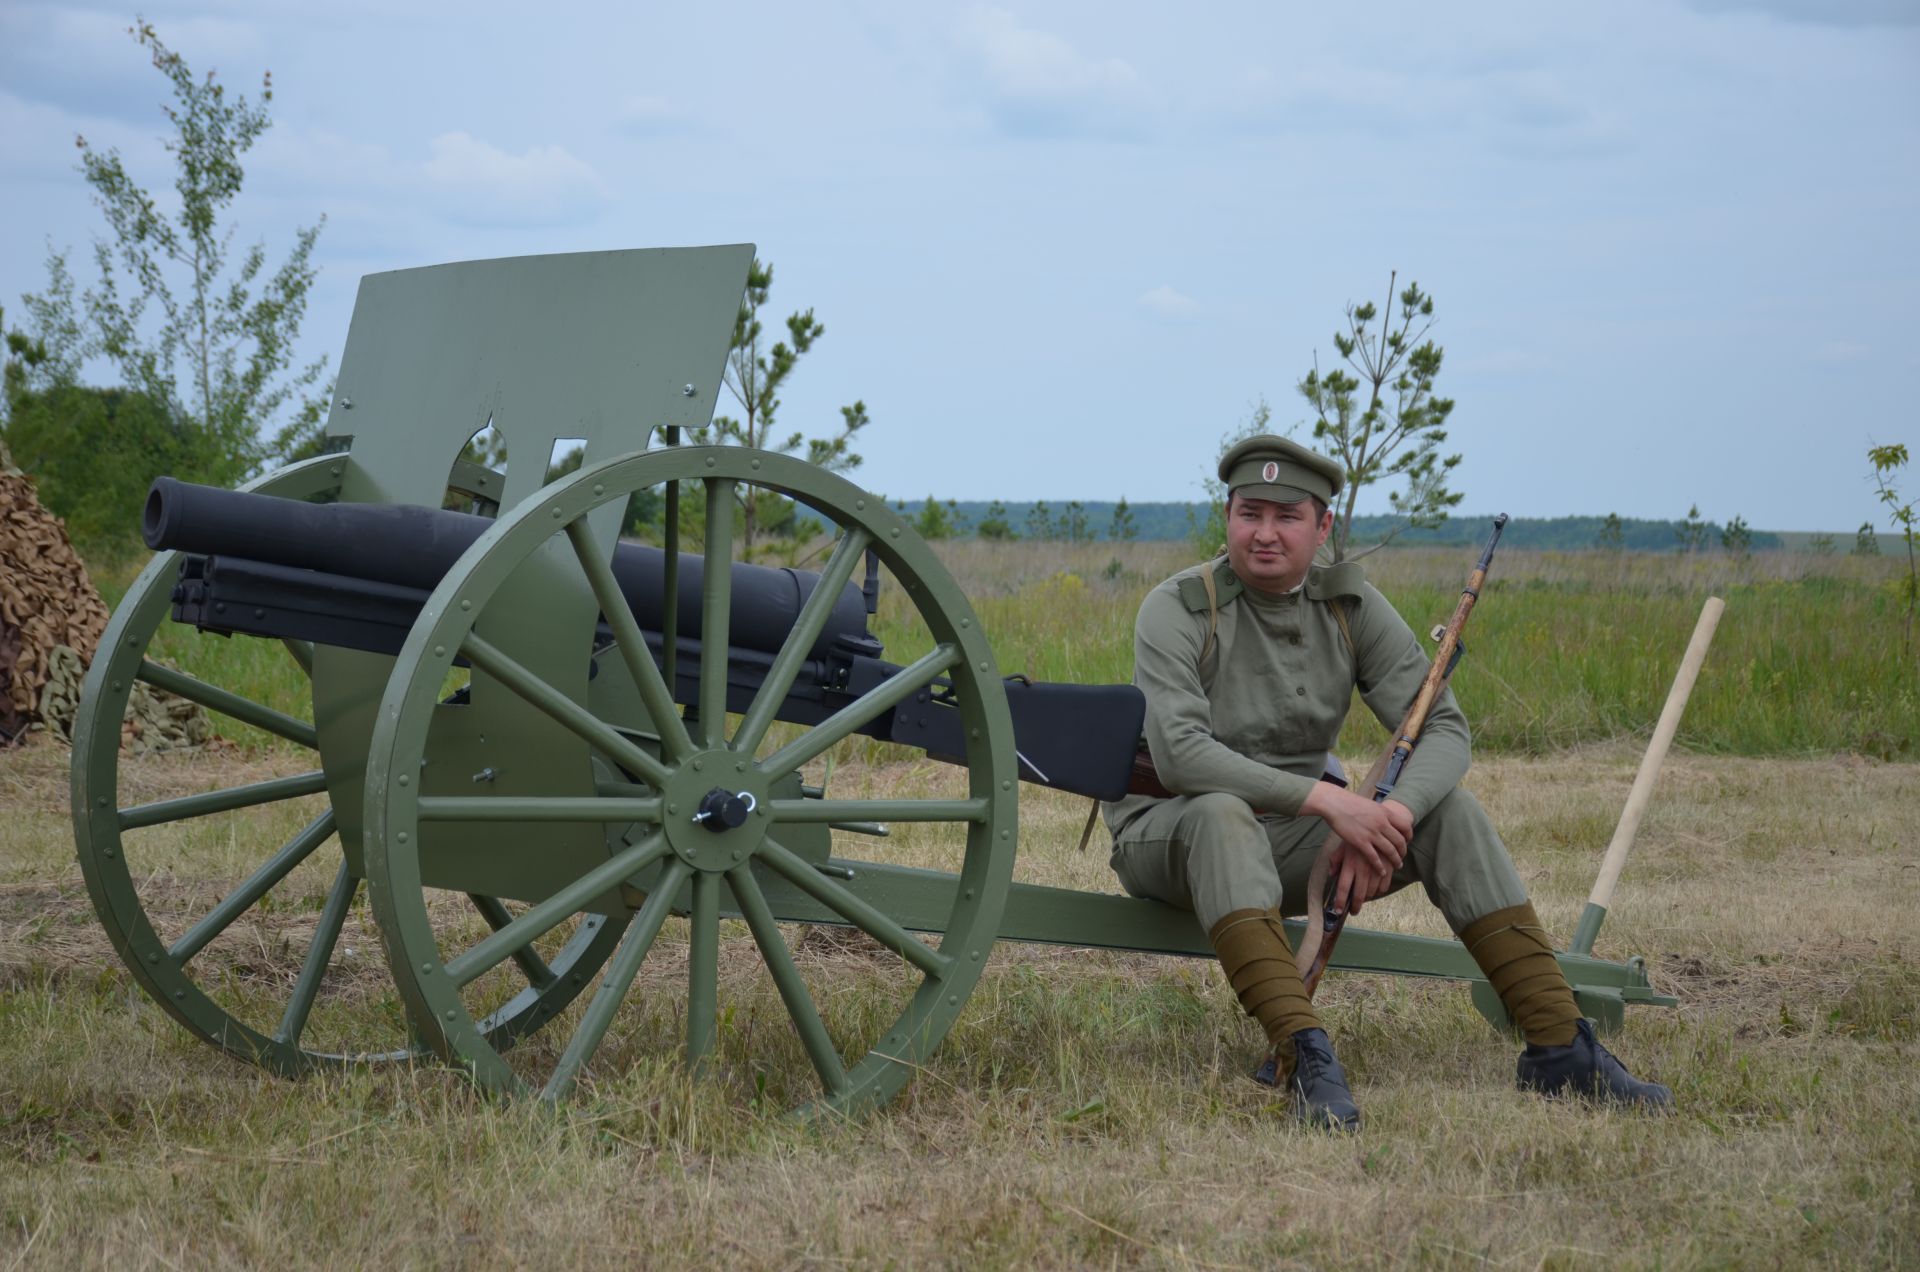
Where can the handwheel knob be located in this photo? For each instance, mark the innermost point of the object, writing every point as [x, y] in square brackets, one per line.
[722, 810]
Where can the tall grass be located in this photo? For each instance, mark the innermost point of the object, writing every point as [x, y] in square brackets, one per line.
[1564, 648]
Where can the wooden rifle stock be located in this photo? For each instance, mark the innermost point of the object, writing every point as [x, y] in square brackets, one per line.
[1316, 944]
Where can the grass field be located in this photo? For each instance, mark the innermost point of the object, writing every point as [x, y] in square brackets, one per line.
[1565, 648]
[1089, 1109]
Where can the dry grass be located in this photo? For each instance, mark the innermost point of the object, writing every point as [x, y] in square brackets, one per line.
[1089, 1109]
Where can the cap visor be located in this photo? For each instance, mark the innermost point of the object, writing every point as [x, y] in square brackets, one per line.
[1273, 494]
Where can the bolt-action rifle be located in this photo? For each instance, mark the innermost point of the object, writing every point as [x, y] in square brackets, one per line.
[1316, 943]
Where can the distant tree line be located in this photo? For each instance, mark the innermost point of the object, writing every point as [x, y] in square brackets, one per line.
[1094, 520]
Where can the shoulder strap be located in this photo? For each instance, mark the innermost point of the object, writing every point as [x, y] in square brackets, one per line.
[1213, 613]
[1341, 617]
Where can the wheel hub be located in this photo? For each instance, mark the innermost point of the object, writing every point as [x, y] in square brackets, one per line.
[714, 810]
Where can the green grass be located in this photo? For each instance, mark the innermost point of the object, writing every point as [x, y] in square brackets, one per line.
[1565, 648]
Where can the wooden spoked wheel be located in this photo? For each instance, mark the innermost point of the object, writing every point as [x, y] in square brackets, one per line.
[246, 970]
[662, 855]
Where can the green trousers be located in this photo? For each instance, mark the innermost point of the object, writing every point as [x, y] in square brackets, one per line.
[1211, 854]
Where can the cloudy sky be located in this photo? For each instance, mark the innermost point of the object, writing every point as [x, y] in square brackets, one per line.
[1061, 248]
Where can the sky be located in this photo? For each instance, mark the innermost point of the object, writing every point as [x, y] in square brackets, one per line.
[1061, 249]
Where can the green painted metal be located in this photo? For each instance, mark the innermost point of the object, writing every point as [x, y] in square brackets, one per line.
[109, 841]
[597, 346]
[1588, 929]
[715, 607]
[251, 795]
[232, 705]
[703, 966]
[670, 857]
[914, 900]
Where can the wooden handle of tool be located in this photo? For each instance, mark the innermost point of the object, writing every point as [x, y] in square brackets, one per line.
[1623, 834]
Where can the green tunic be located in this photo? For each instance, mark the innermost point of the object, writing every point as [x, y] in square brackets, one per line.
[1257, 715]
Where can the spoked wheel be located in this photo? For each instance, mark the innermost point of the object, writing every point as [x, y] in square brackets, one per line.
[706, 820]
[247, 970]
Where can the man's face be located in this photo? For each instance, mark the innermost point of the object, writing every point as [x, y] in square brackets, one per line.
[1271, 545]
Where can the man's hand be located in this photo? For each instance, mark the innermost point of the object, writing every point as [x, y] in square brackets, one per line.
[1352, 882]
[1373, 842]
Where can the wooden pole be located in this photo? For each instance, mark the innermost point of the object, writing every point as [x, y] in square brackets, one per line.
[1642, 792]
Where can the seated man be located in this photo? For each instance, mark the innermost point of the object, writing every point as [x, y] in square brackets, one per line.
[1248, 665]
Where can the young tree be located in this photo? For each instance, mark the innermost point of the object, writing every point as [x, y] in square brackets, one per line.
[1692, 533]
[1612, 533]
[1123, 528]
[1397, 434]
[1040, 521]
[995, 524]
[1865, 541]
[1887, 461]
[1736, 537]
[936, 520]
[1072, 525]
[754, 375]
[1821, 545]
[206, 336]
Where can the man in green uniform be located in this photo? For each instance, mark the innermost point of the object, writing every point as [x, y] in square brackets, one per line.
[1248, 665]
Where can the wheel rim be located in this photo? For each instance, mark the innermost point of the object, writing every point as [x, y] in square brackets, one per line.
[160, 938]
[686, 866]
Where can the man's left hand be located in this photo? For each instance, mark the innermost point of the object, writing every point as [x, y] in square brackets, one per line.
[1355, 881]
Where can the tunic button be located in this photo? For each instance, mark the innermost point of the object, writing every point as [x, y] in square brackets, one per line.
[1295, 640]
[1300, 690]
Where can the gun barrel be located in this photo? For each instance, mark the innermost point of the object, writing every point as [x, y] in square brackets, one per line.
[414, 547]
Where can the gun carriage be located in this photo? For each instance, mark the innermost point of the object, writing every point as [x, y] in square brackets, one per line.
[629, 741]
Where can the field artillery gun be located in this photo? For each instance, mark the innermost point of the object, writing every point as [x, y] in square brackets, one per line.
[537, 744]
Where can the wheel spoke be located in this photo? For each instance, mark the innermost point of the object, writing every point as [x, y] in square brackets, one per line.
[242, 898]
[619, 977]
[209, 802]
[716, 584]
[801, 874]
[703, 966]
[806, 629]
[535, 968]
[543, 916]
[654, 693]
[563, 710]
[228, 704]
[876, 810]
[333, 917]
[786, 978]
[536, 808]
[908, 681]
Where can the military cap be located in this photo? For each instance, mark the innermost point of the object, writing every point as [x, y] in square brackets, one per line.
[1283, 471]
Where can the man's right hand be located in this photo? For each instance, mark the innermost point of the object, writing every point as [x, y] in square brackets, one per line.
[1378, 833]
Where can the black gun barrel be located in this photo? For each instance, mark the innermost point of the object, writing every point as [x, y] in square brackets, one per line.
[414, 547]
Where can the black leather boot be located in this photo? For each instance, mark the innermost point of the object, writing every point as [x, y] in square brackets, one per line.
[1585, 1068]
[1318, 1085]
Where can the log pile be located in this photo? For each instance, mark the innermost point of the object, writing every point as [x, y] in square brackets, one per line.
[51, 618]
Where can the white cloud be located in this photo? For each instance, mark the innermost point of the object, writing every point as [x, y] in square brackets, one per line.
[1169, 303]
[481, 184]
[87, 60]
[1039, 84]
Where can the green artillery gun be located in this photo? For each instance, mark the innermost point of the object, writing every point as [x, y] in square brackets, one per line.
[537, 743]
